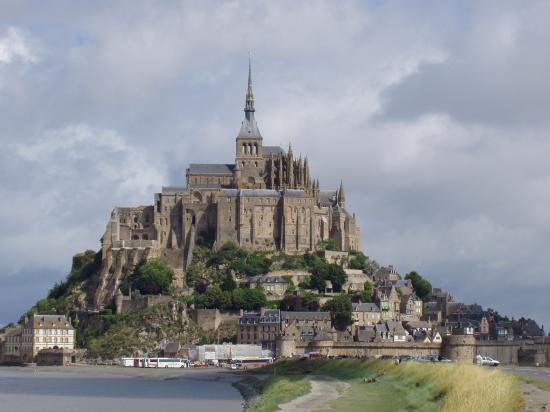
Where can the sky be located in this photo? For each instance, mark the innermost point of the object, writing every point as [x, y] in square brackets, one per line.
[435, 114]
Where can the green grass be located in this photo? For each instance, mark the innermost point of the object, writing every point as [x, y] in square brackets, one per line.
[277, 390]
[413, 386]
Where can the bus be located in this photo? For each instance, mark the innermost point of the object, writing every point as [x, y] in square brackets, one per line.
[167, 363]
[250, 362]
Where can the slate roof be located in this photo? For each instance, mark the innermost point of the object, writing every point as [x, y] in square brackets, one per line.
[211, 168]
[365, 307]
[366, 333]
[305, 315]
[174, 189]
[50, 322]
[259, 193]
[396, 327]
[294, 193]
[267, 150]
[267, 279]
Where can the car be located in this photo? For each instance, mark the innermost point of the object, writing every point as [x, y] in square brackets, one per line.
[486, 361]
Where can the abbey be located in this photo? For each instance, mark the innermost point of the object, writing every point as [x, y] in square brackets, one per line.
[265, 200]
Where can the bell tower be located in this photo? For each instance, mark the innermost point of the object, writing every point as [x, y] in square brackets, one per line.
[249, 142]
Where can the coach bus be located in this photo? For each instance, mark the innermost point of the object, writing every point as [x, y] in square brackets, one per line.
[250, 362]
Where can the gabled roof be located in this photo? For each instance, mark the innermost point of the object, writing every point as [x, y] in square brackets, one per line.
[50, 322]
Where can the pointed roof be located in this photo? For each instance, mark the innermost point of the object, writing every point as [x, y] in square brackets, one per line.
[249, 126]
[341, 193]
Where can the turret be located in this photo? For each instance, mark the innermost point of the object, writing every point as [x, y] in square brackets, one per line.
[341, 197]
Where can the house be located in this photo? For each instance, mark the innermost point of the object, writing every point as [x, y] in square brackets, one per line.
[365, 313]
[11, 345]
[260, 328]
[389, 302]
[410, 307]
[396, 331]
[274, 287]
[366, 333]
[414, 326]
[436, 336]
[484, 328]
[45, 332]
[432, 312]
[385, 275]
[292, 323]
[382, 333]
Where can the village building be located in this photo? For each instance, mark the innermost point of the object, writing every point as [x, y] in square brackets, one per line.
[45, 332]
[304, 325]
[260, 328]
[274, 287]
[410, 307]
[388, 301]
[365, 314]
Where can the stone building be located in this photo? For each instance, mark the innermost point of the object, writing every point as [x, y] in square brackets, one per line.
[45, 332]
[365, 314]
[260, 328]
[303, 326]
[11, 345]
[389, 302]
[274, 287]
[266, 199]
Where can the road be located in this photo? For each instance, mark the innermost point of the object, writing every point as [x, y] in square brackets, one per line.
[542, 374]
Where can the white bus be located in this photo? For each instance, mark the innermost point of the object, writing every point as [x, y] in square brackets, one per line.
[167, 363]
[249, 362]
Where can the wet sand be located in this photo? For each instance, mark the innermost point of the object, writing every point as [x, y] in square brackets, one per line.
[110, 388]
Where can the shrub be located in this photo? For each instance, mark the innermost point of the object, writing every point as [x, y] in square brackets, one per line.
[154, 276]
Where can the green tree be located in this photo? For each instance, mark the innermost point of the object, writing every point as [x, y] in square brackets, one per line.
[154, 276]
[254, 299]
[340, 309]
[358, 261]
[371, 266]
[329, 244]
[228, 283]
[421, 286]
[366, 294]
[238, 298]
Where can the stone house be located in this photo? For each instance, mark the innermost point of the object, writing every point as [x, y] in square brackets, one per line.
[366, 333]
[274, 287]
[45, 332]
[260, 328]
[396, 331]
[385, 275]
[410, 307]
[299, 324]
[366, 313]
[388, 301]
[11, 345]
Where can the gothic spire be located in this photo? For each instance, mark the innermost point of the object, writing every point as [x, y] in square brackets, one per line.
[249, 105]
[249, 126]
[341, 195]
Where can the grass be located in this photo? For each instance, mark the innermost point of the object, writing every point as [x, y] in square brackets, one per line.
[413, 386]
[277, 390]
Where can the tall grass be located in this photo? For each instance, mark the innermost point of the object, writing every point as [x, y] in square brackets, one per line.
[419, 386]
[277, 390]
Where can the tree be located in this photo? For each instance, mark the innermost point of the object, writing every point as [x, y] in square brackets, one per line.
[154, 276]
[254, 299]
[340, 309]
[358, 261]
[366, 294]
[292, 303]
[328, 244]
[371, 266]
[228, 283]
[328, 271]
[421, 286]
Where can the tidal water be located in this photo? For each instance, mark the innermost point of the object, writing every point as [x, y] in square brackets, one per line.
[97, 389]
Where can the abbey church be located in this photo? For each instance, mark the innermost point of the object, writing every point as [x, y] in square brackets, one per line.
[265, 200]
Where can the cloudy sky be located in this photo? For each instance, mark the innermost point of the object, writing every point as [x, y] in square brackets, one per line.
[436, 116]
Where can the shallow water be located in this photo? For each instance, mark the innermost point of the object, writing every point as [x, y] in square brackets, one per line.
[109, 389]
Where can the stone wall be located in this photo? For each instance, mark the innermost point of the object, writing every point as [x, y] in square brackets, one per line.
[211, 319]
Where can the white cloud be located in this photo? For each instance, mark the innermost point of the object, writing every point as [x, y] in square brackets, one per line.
[15, 45]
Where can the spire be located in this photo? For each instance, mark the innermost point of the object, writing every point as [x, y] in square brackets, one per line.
[341, 195]
[249, 126]
[249, 105]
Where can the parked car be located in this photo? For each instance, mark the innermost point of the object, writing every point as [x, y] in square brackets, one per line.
[486, 361]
